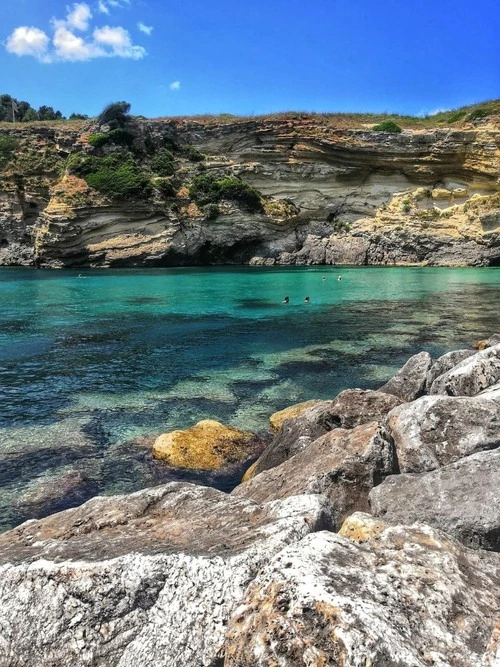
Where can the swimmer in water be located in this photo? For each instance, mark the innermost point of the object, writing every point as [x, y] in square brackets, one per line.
[324, 278]
[307, 300]
[339, 278]
[286, 299]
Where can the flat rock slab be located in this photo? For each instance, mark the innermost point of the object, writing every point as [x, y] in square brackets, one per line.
[144, 579]
[462, 499]
[469, 377]
[434, 431]
[277, 419]
[342, 465]
[407, 597]
[409, 382]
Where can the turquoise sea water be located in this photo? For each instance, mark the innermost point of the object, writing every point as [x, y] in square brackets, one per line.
[91, 367]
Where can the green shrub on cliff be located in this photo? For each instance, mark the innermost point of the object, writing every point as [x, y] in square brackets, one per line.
[115, 115]
[387, 126]
[208, 189]
[7, 148]
[163, 163]
[117, 174]
[477, 114]
[118, 137]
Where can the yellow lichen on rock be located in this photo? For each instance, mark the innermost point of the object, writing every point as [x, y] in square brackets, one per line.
[360, 527]
[208, 445]
[276, 420]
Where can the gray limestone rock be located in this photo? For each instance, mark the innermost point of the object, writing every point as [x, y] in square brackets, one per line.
[461, 499]
[434, 431]
[401, 597]
[350, 408]
[295, 434]
[446, 363]
[139, 580]
[470, 376]
[409, 382]
[342, 465]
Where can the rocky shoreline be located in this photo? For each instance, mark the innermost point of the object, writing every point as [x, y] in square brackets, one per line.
[366, 533]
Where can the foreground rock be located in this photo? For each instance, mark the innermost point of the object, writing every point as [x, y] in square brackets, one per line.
[341, 465]
[350, 408]
[144, 579]
[462, 499]
[208, 445]
[407, 596]
[437, 430]
[409, 382]
[470, 376]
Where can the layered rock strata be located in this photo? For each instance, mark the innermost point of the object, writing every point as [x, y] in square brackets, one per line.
[329, 196]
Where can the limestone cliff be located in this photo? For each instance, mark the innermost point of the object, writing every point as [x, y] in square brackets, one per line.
[328, 194]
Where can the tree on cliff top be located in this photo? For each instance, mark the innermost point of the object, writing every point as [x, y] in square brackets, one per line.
[115, 115]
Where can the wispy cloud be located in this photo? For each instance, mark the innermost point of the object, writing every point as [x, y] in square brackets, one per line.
[104, 5]
[146, 29]
[175, 85]
[66, 45]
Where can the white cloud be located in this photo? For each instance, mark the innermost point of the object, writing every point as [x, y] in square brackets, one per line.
[79, 17]
[118, 40]
[28, 41]
[106, 42]
[175, 85]
[102, 7]
[69, 46]
[146, 29]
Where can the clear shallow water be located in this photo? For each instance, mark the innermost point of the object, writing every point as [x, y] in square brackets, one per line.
[90, 365]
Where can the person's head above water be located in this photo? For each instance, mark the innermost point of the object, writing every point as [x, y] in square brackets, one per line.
[286, 299]
[307, 300]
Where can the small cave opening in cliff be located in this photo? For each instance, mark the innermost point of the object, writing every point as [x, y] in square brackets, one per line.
[495, 261]
[238, 253]
[4, 243]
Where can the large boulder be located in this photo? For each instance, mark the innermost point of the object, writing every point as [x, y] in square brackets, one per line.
[208, 445]
[294, 435]
[488, 342]
[469, 377]
[446, 362]
[277, 419]
[145, 579]
[409, 382]
[406, 597]
[342, 465]
[350, 408]
[462, 499]
[434, 431]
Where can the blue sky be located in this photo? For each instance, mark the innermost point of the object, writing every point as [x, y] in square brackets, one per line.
[192, 56]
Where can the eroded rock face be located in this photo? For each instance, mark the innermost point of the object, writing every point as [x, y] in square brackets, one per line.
[462, 499]
[408, 597]
[208, 445]
[409, 382]
[353, 407]
[342, 465]
[144, 579]
[434, 431]
[470, 376]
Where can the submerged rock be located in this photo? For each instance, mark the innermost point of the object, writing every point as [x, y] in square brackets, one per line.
[408, 596]
[470, 376]
[342, 465]
[207, 445]
[462, 499]
[409, 382]
[144, 579]
[434, 431]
